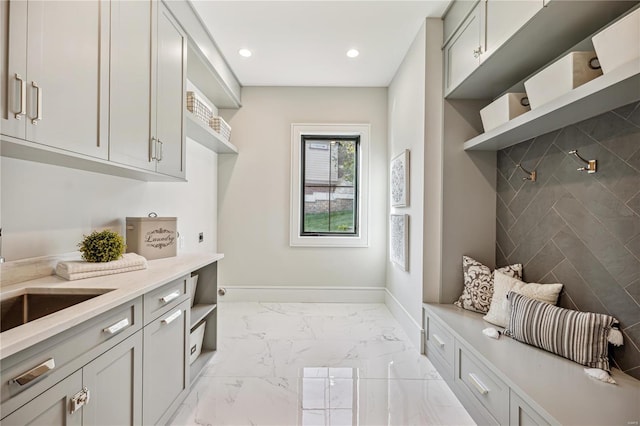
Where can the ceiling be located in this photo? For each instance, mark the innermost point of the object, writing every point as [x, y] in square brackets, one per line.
[304, 43]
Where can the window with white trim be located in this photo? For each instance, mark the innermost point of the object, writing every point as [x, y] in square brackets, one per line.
[329, 176]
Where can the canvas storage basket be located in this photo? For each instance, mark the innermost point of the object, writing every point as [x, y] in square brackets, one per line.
[198, 107]
[152, 237]
[220, 126]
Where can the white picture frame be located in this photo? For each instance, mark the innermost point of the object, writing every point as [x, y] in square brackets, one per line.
[399, 240]
[399, 180]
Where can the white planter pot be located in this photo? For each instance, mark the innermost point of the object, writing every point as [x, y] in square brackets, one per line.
[561, 77]
[503, 109]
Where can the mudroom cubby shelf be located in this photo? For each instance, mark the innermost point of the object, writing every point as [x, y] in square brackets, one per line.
[204, 309]
[605, 93]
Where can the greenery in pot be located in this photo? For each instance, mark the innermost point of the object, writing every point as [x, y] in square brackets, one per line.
[102, 246]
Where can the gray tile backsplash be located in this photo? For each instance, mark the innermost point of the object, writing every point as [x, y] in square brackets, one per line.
[580, 229]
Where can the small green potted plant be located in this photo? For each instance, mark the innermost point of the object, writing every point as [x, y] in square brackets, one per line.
[102, 246]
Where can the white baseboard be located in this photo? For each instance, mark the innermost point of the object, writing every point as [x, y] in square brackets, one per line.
[302, 294]
[411, 327]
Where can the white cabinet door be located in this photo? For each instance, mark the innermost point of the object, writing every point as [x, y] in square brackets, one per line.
[68, 86]
[462, 53]
[130, 104]
[504, 19]
[170, 94]
[13, 68]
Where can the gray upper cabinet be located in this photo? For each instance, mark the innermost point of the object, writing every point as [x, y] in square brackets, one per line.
[462, 52]
[130, 66]
[148, 77]
[57, 74]
[171, 79]
[503, 19]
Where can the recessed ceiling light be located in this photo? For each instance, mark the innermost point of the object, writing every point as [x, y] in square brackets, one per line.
[352, 53]
[245, 53]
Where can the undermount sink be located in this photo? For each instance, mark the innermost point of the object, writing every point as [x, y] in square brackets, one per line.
[36, 303]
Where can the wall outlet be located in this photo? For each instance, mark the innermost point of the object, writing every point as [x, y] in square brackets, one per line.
[201, 237]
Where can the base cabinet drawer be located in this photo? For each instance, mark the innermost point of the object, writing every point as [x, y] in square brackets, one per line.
[439, 340]
[521, 414]
[165, 297]
[474, 379]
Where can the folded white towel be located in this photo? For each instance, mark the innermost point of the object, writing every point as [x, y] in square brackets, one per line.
[75, 270]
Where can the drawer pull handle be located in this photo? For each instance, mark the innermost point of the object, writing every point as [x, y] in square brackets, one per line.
[38, 116]
[478, 384]
[35, 372]
[172, 317]
[117, 327]
[169, 297]
[438, 340]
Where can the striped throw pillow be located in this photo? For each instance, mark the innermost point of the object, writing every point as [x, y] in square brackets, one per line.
[578, 336]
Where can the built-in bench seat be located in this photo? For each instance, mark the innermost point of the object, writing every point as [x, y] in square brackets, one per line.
[510, 383]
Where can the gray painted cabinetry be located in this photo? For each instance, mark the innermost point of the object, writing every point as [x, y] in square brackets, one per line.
[130, 363]
[56, 72]
[148, 77]
[505, 382]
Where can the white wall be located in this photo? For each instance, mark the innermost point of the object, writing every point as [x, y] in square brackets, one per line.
[46, 209]
[253, 198]
[406, 131]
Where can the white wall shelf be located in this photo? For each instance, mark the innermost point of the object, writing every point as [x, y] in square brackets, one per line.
[607, 92]
[207, 137]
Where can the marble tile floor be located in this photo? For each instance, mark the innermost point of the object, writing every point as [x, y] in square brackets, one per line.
[317, 364]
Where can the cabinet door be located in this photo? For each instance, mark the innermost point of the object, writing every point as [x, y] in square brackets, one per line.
[521, 414]
[170, 94]
[462, 53]
[165, 362]
[114, 380]
[13, 67]
[130, 82]
[51, 408]
[68, 70]
[504, 19]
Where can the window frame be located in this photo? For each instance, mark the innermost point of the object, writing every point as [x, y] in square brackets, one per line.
[361, 237]
[356, 184]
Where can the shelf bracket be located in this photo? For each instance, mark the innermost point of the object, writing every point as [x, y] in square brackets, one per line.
[590, 164]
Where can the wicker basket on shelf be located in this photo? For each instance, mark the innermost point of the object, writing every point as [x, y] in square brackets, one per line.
[196, 106]
[220, 126]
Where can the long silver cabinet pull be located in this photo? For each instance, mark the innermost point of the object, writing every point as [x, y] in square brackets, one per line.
[35, 372]
[23, 97]
[169, 297]
[438, 340]
[172, 317]
[478, 384]
[160, 152]
[153, 148]
[38, 116]
[119, 326]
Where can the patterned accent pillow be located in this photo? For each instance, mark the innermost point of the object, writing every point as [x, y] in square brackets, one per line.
[478, 284]
[578, 336]
[500, 309]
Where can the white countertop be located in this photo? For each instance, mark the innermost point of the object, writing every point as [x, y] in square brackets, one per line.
[126, 286]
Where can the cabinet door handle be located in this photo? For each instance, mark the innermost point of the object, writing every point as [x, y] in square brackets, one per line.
[169, 297]
[478, 384]
[35, 372]
[172, 317]
[23, 97]
[438, 340]
[153, 148]
[117, 327]
[160, 153]
[38, 116]
[477, 52]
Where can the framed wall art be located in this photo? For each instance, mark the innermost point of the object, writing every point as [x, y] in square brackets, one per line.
[399, 240]
[400, 180]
